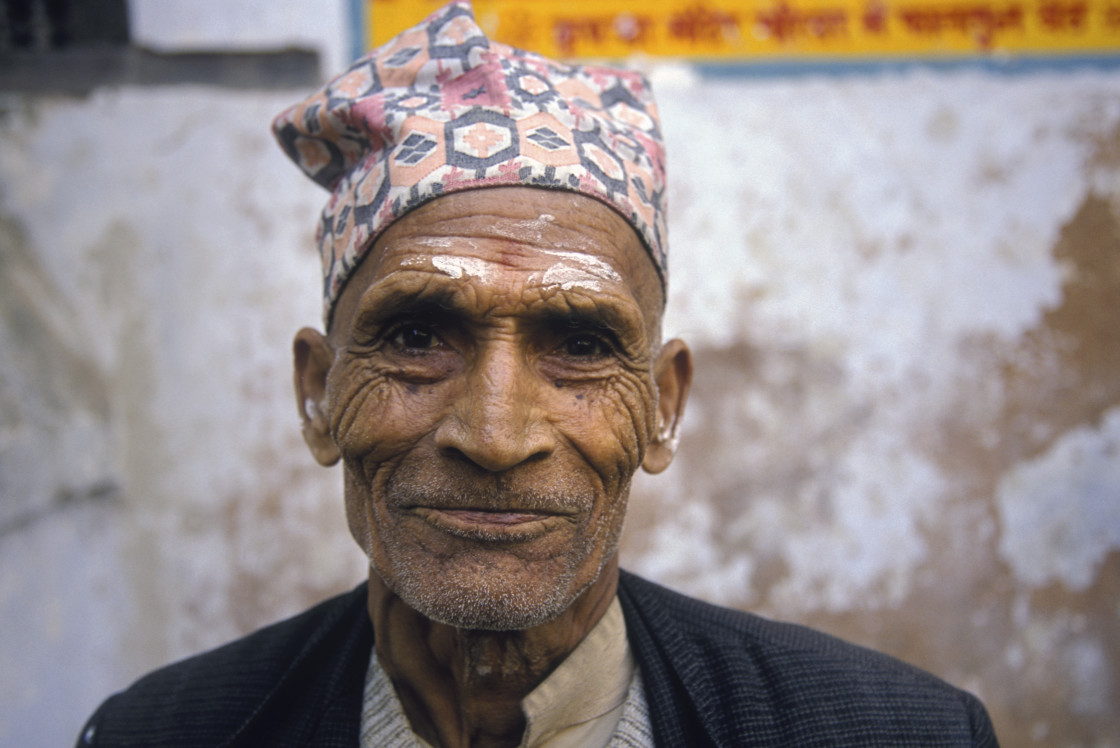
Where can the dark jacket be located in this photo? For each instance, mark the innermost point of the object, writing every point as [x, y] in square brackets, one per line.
[712, 676]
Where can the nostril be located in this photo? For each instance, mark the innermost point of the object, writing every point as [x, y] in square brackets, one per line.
[493, 419]
[491, 445]
[453, 454]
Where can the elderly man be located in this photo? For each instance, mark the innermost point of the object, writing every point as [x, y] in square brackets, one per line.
[491, 378]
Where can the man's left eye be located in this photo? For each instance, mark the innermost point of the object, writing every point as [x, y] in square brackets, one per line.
[586, 345]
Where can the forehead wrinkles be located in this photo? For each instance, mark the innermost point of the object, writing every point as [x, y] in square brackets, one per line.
[562, 269]
[569, 242]
[503, 294]
[516, 237]
[576, 269]
[494, 248]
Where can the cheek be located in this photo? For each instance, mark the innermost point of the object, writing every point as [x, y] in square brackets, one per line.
[610, 425]
[374, 416]
[376, 421]
[358, 511]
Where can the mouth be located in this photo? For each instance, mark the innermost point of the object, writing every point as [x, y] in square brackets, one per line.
[508, 525]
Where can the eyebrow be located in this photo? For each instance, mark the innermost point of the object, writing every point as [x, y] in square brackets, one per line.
[606, 318]
[379, 305]
[384, 302]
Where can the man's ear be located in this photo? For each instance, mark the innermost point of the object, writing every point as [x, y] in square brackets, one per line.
[313, 359]
[673, 376]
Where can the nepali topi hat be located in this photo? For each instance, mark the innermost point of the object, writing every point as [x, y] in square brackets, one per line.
[442, 108]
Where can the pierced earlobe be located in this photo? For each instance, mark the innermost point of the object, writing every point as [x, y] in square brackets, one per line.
[311, 417]
[673, 376]
[312, 408]
[661, 450]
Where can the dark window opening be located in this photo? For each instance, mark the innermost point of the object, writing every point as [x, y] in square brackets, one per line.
[61, 24]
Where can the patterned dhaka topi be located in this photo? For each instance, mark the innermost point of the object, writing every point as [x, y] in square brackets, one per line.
[441, 108]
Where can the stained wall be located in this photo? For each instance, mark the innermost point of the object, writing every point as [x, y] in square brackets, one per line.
[901, 290]
[904, 297]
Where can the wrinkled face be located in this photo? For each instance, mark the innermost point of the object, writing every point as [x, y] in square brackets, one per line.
[491, 395]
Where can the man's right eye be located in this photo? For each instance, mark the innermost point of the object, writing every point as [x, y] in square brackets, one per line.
[413, 337]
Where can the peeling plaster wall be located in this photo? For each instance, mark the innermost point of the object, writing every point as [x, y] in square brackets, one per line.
[901, 290]
[156, 495]
[903, 294]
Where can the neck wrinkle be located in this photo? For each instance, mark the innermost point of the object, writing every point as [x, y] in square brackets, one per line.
[463, 687]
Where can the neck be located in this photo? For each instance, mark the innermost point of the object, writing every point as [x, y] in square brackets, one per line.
[463, 687]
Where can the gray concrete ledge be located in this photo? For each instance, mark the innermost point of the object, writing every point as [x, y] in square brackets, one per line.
[80, 70]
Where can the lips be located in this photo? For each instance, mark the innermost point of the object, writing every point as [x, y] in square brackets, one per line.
[492, 525]
[488, 517]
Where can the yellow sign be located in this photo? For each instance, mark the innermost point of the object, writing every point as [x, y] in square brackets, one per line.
[777, 30]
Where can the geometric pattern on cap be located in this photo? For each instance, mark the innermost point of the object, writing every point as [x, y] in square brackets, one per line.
[441, 108]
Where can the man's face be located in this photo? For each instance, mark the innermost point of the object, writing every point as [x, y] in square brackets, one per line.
[491, 395]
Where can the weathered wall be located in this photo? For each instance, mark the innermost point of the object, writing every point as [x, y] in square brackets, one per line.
[904, 297]
[156, 497]
[902, 291]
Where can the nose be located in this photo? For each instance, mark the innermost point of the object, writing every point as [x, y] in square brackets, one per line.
[498, 420]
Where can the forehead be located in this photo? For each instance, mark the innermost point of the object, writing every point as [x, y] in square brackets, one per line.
[494, 238]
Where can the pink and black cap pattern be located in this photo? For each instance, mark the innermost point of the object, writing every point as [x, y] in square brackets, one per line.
[441, 108]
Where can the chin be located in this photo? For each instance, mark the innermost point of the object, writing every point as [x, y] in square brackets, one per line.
[483, 599]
